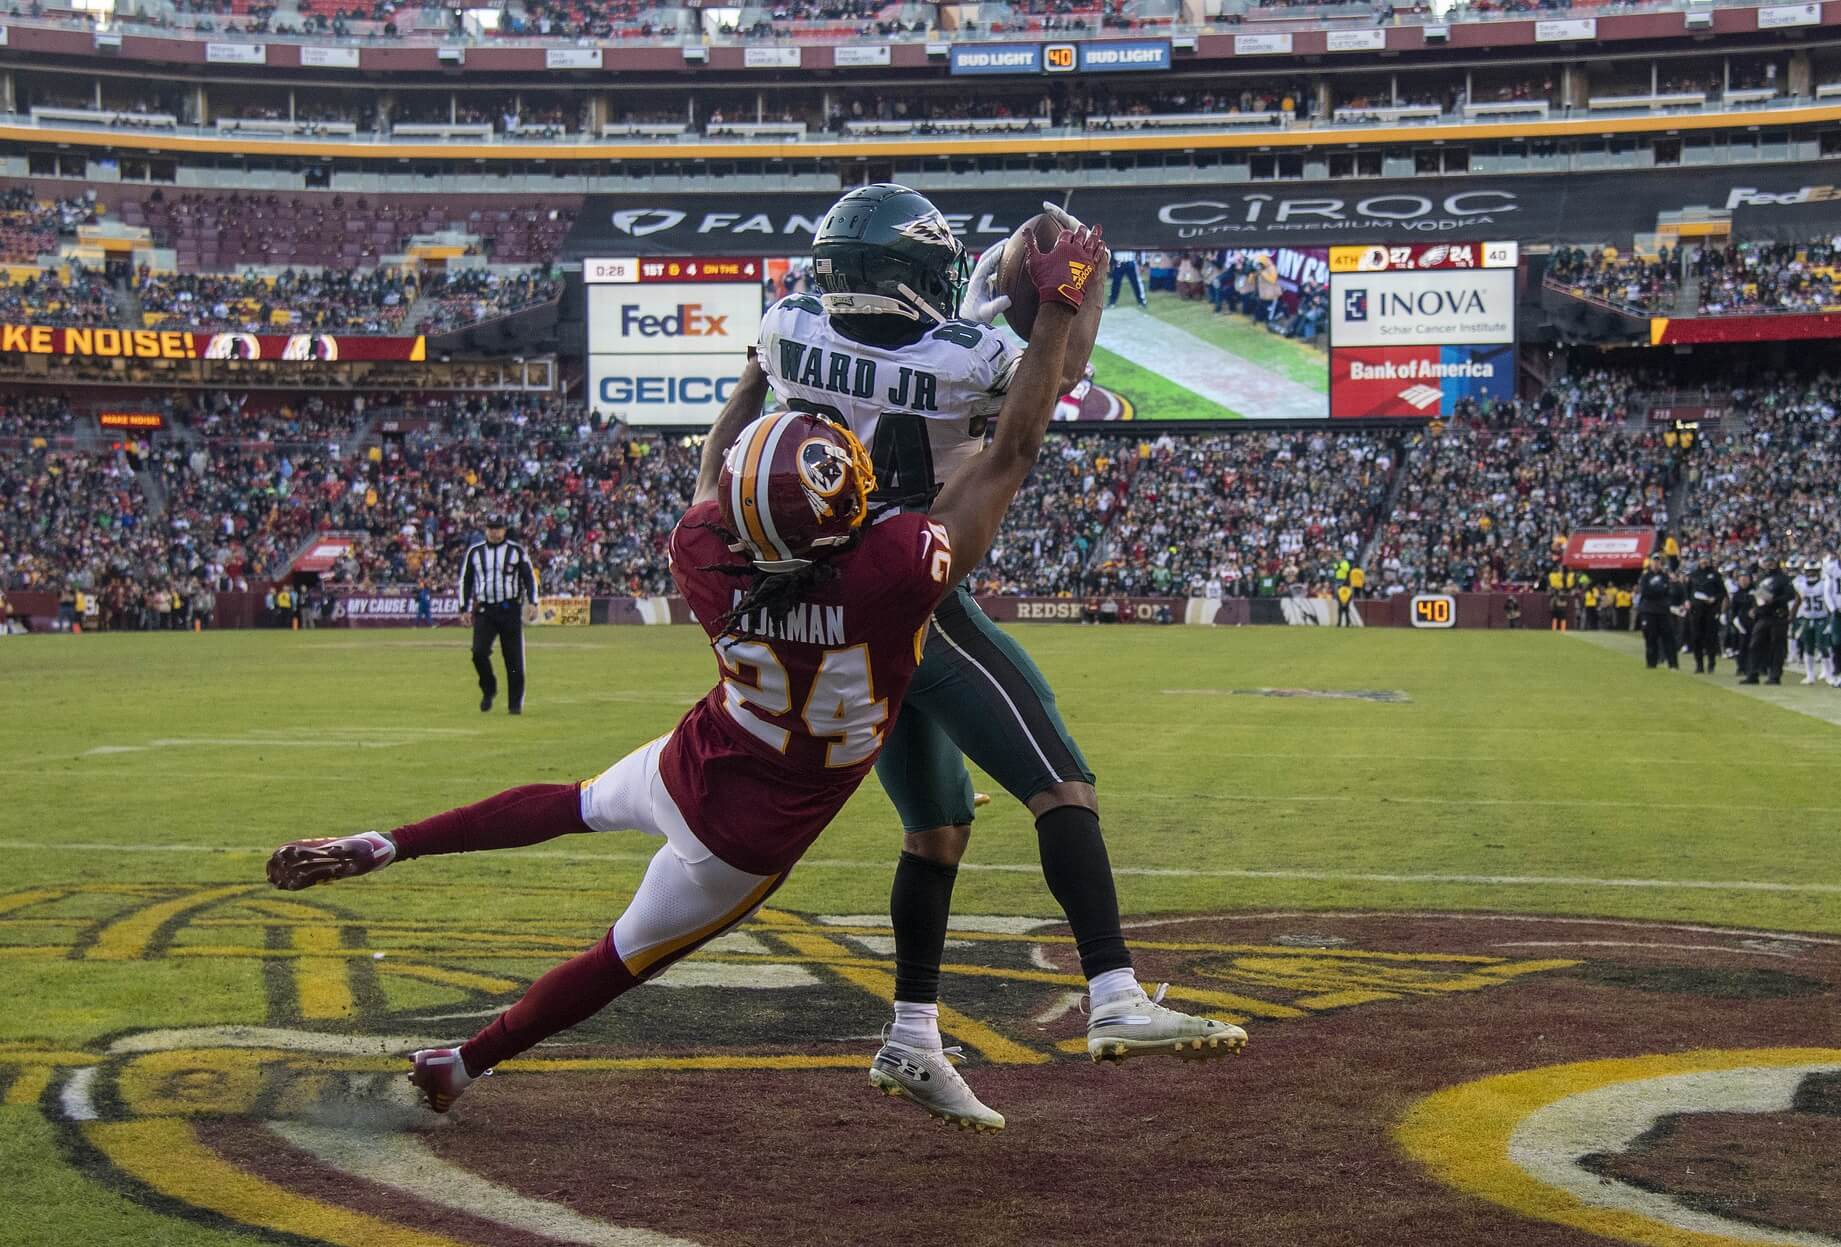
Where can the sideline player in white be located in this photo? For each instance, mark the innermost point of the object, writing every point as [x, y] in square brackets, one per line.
[883, 353]
[1813, 594]
[1831, 593]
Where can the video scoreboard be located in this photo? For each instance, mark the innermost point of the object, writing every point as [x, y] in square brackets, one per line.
[1416, 328]
[667, 337]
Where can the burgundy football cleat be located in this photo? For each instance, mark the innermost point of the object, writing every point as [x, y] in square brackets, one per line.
[302, 863]
[440, 1075]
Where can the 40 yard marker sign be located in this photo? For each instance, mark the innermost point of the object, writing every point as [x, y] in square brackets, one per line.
[1427, 1079]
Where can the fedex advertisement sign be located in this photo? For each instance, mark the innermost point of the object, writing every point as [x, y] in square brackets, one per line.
[700, 319]
[667, 338]
[690, 320]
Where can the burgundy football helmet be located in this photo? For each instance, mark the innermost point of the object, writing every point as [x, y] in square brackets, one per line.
[794, 484]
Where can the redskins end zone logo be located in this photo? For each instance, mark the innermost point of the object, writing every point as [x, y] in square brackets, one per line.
[1439, 1080]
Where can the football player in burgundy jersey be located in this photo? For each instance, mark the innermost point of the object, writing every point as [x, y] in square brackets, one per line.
[817, 619]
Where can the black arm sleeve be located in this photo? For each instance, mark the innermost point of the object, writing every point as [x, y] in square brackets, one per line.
[467, 585]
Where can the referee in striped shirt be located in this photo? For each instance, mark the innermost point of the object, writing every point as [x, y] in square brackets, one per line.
[497, 587]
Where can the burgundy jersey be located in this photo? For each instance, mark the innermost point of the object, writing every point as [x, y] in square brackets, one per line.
[764, 763]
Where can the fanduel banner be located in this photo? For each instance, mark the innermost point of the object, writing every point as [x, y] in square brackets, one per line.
[1526, 209]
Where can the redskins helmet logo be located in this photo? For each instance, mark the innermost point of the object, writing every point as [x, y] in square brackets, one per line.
[234, 346]
[312, 346]
[824, 467]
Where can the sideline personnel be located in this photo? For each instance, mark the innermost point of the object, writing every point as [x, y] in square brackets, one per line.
[1657, 596]
[1706, 599]
[1773, 596]
[497, 589]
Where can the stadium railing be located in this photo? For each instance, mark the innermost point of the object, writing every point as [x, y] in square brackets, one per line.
[1240, 17]
[682, 138]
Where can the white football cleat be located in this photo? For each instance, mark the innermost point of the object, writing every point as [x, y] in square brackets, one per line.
[928, 1078]
[1137, 1024]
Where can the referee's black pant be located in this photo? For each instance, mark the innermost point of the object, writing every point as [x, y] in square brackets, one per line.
[505, 622]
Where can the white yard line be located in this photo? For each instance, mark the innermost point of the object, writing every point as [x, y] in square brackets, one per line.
[1205, 369]
[405, 1163]
[1143, 872]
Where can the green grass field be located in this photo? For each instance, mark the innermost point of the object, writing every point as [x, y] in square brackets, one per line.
[1528, 772]
[1237, 335]
[1154, 397]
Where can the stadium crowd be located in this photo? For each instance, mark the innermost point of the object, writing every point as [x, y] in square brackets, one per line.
[1768, 277]
[372, 301]
[1495, 489]
[1474, 503]
[1621, 279]
[1743, 278]
[1768, 488]
[1245, 514]
[75, 297]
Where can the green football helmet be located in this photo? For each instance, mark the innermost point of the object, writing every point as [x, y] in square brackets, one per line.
[885, 250]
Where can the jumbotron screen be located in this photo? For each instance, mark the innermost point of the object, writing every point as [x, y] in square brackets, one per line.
[1272, 333]
[1417, 328]
[1218, 335]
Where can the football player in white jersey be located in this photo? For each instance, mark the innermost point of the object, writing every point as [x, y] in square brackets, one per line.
[1812, 611]
[1831, 590]
[899, 350]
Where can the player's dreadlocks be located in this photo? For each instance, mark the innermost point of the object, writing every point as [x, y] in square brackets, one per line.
[774, 593]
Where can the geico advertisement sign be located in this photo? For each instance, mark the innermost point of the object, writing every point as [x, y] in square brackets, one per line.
[1422, 309]
[662, 389]
[673, 320]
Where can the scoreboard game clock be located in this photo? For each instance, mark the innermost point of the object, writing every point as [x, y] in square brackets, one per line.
[1434, 610]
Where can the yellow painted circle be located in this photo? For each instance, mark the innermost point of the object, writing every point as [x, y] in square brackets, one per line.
[1461, 1135]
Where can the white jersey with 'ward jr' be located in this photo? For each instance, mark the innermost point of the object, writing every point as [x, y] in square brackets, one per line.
[922, 409]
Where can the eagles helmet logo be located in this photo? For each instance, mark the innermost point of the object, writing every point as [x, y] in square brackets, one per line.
[932, 230]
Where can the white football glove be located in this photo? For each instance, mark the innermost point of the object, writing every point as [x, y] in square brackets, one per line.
[981, 303]
[1062, 216]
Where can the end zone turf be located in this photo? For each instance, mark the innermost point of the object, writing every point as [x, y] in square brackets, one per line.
[189, 1058]
[1466, 1078]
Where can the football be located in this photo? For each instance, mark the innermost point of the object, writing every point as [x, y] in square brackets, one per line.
[1013, 275]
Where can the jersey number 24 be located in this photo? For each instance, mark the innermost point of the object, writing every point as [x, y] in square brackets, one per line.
[841, 706]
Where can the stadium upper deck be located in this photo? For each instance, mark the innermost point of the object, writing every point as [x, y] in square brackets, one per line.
[609, 80]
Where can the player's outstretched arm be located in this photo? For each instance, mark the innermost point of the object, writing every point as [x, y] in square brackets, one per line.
[972, 505]
[745, 403]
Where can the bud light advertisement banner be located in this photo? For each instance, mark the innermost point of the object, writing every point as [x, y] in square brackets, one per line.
[1102, 56]
[996, 58]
